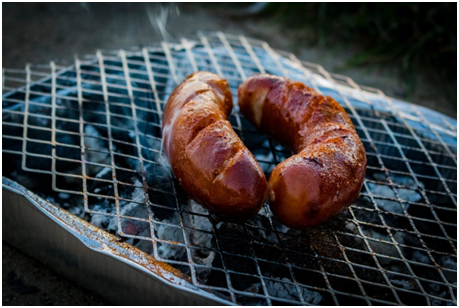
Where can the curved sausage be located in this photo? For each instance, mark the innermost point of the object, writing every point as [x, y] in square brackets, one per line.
[207, 157]
[327, 172]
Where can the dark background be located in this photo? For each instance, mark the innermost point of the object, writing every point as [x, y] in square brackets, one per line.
[409, 51]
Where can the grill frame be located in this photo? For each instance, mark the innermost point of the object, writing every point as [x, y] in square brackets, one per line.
[319, 78]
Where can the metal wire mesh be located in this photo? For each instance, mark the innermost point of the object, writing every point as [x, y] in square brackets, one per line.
[93, 130]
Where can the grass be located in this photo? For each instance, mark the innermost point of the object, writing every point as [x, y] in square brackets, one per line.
[415, 36]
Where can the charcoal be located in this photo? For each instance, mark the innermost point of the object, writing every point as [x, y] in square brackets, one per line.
[371, 242]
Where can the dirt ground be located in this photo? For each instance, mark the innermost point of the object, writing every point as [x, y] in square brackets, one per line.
[42, 32]
[27, 282]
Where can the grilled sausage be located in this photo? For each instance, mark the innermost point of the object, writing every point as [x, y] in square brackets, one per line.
[328, 170]
[207, 157]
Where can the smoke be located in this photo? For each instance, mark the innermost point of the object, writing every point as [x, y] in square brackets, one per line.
[159, 16]
[158, 19]
[85, 6]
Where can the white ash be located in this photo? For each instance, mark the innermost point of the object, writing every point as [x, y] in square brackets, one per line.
[405, 284]
[206, 257]
[253, 288]
[351, 227]
[311, 297]
[95, 142]
[108, 223]
[436, 290]
[77, 211]
[416, 256]
[282, 290]
[264, 233]
[53, 201]
[431, 288]
[169, 252]
[103, 172]
[201, 223]
[134, 209]
[448, 262]
[63, 196]
[163, 231]
[98, 190]
[374, 236]
[420, 257]
[287, 290]
[199, 239]
[386, 191]
[98, 151]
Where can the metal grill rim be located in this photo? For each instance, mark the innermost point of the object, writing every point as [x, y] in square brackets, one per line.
[234, 70]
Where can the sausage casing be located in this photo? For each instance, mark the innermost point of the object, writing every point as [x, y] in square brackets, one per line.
[327, 171]
[207, 157]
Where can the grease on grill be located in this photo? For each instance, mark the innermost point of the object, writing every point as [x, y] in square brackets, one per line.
[389, 247]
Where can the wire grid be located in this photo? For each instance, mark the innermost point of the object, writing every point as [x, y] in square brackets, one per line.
[94, 128]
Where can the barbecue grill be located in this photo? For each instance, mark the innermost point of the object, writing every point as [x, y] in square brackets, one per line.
[82, 148]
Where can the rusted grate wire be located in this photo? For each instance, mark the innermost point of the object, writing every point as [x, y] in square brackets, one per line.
[93, 131]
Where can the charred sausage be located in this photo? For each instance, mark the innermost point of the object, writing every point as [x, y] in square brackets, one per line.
[207, 157]
[327, 171]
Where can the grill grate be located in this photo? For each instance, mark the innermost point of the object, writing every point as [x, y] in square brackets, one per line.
[93, 130]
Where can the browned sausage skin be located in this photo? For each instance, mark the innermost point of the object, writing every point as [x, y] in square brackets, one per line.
[207, 157]
[328, 170]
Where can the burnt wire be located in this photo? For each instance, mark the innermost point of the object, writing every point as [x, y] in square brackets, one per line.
[93, 130]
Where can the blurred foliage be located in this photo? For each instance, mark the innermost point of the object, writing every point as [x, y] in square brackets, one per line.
[416, 35]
